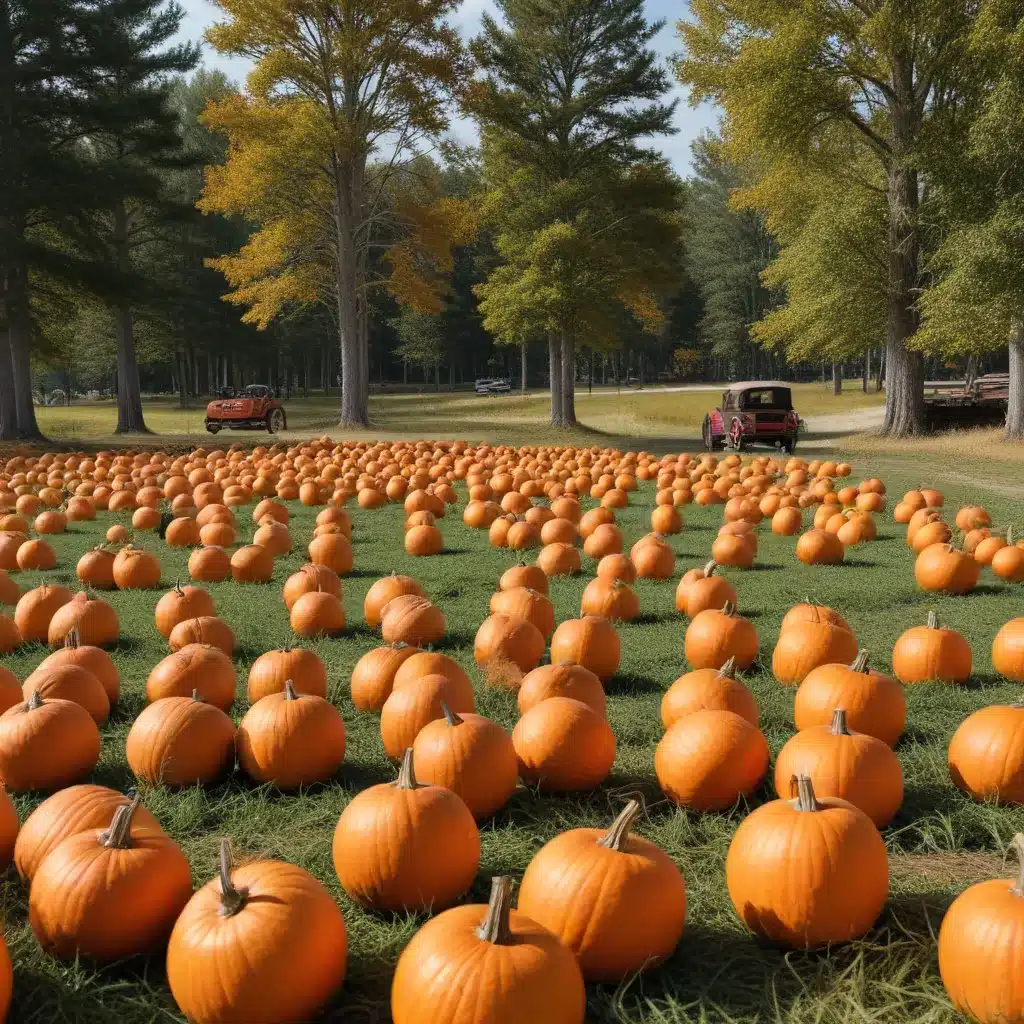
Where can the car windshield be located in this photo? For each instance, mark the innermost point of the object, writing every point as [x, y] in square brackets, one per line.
[766, 398]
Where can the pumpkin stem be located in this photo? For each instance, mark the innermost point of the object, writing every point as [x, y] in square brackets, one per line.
[495, 927]
[709, 569]
[805, 799]
[72, 639]
[35, 701]
[838, 727]
[406, 773]
[933, 620]
[177, 587]
[119, 835]
[727, 670]
[196, 697]
[289, 690]
[860, 663]
[729, 609]
[1017, 844]
[232, 899]
[450, 716]
[617, 835]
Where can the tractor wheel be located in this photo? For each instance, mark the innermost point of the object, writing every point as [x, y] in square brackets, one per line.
[213, 428]
[275, 421]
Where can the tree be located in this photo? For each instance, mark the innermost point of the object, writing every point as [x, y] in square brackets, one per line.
[976, 299]
[727, 251]
[354, 86]
[571, 87]
[880, 70]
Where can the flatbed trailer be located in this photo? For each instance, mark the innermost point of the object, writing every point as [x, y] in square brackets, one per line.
[959, 403]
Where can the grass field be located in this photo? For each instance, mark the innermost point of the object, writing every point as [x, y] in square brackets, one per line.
[630, 414]
[940, 841]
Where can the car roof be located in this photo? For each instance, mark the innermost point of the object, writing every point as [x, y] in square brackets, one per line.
[748, 385]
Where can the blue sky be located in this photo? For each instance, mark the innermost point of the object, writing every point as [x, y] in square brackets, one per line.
[201, 13]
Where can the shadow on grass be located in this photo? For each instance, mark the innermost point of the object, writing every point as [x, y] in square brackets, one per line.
[631, 683]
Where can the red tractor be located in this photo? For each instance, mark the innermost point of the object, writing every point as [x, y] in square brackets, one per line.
[753, 412]
[252, 408]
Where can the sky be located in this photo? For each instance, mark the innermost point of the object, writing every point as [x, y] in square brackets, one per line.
[201, 13]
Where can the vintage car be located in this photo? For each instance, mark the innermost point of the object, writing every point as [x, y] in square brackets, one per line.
[753, 412]
[252, 408]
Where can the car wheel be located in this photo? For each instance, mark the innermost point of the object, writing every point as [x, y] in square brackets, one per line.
[275, 421]
[213, 428]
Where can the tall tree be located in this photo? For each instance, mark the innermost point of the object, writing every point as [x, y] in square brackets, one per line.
[570, 92]
[882, 70]
[369, 79]
[976, 299]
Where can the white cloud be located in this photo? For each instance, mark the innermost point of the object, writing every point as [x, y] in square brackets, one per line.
[200, 14]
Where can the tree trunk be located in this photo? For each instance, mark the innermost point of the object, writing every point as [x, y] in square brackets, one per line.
[555, 373]
[182, 381]
[20, 334]
[568, 380]
[129, 393]
[522, 367]
[354, 405]
[8, 413]
[880, 372]
[1015, 405]
[837, 378]
[867, 371]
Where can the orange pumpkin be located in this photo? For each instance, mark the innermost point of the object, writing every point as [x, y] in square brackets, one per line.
[36, 608]
[612, 600]
[804, 645]
[530, 576]
[205, 629]
[253, 563]
[522, 603]
[925, 653]
[317, 614]
[94, 621]
[195, 668]
[209, 565]
[373, 677]
[36, 554]
[403, 846]
[1008, 650]
[616, 567]
[565, 679]
[945, 569]
[716, 635]
[135, 569]
[96, 568]
[413, 705]
[332, 550]
[818, 547]
[413, 620]
[591, 641]
[708, 689]
[701, 589]
[302, 667]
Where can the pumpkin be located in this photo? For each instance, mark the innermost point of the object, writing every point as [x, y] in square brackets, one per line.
[10, 592]
[209, 565]
[567, 887]
[411, 705]
[383, 591]
[206, 629]
[855, 767]
[291, 739]
[10, 689]
[303, 668]
[413, 620]
[310, 578]
[9, 835]
[96, 568]
[80, 880]
[596, 517]
[46, 744]
[986, 757]
[701, 589]
[558, 531]
[566, 679]
[10, 637]
[95, 659]
[716, 635]
[373, 677]
[590, 641]
[666, 519]
[261, 942]
[68, 681]
[605, 539]
[424, 540]
[654, 559]
[195, 668]
[613, 600]
[921, 517]
[332, 550]
[708, 759]
[787, 522]
[426, 663]
[510, 969]
[273, 536]
[563, 745]
[317, 614]
[805, 611]
[616, 567]
[135, 569]
[979, 952]
[36, 554]
[181, 741]
[737, 550]
[35, 609]
[873, 702]
[1008, 650]
[925, 653]
[559, 559]
[179, 604]
[68, 812]
[478, 514]
[470, 755]
[804, 646]
[934, 531]
[10, 542]
[818, 547]
[1008, 562]
[95, 622]
[788, 889]
[183, 532]
[708, 689]
[530, 576]
[972, 517]
[252, 564]
[404, 846]
[943, 568]
[522, 603]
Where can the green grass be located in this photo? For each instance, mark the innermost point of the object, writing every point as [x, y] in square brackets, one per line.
[629, 414]
[939, 842]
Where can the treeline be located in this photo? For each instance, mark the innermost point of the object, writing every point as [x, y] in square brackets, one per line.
[860, 211]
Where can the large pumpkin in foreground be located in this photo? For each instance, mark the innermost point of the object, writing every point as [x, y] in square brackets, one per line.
[262, 942]
[510, 970]
[615, 899]
[980, 948]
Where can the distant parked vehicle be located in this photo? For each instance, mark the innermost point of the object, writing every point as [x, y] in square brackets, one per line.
[252, 408]
[493, 385]
[753, 412]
